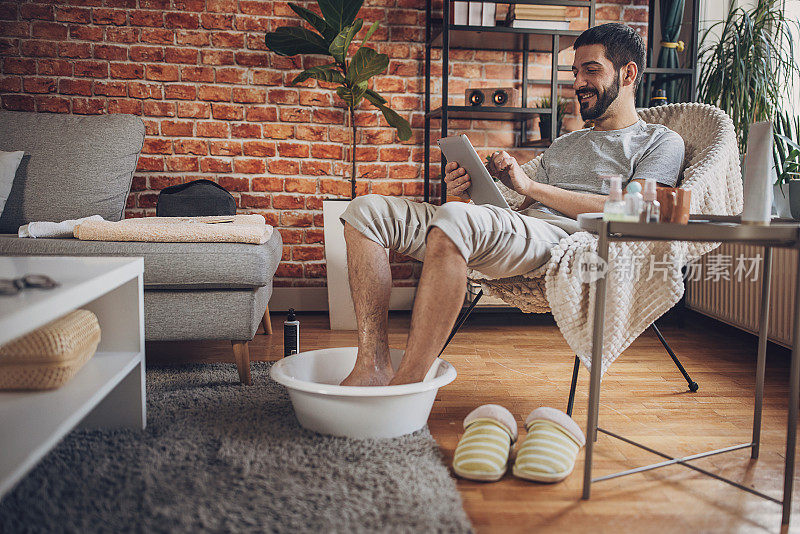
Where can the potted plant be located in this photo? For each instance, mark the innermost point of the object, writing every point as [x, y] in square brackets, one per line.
[746, 68]
[786, 155]
[544, 120]
[350, 76]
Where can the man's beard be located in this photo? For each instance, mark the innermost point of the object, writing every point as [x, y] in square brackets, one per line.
[602, 101]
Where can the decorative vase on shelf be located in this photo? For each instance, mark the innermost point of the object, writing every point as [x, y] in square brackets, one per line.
[659, 97]
[544, 126]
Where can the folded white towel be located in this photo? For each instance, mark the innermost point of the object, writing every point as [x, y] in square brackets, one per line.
[54, 229]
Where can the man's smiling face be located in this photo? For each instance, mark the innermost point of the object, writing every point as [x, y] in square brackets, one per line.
[597, 82]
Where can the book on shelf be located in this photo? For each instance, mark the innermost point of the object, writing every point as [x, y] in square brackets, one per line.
[539, 24]
[475, 12]
[488, 14]
[460, 13]
[500, 14]
[537, 12]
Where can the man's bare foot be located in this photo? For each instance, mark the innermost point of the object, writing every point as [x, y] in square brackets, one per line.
[376, 371]
[408, 377]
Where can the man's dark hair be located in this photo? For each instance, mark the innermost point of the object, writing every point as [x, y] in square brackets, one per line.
[621, 42]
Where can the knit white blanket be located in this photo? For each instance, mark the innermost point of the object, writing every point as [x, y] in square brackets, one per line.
[634, 300]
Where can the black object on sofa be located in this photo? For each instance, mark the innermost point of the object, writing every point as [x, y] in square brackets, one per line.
[195, 199]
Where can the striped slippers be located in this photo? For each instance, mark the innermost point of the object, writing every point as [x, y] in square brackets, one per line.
[548, 452]
[482, 452]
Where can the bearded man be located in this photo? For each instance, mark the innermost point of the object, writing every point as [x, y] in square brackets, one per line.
[566, 181]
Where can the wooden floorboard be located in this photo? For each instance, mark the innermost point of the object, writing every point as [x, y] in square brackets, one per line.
[522, 362]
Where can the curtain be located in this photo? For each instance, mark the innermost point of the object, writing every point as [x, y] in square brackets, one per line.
[671, 19]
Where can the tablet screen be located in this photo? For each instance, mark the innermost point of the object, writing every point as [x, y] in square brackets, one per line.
[483, 189]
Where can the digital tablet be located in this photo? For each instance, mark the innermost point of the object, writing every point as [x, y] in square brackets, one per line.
[482, 189]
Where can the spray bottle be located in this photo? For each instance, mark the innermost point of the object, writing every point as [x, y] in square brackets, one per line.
[651, 210]
[614, 208]
[633, 202]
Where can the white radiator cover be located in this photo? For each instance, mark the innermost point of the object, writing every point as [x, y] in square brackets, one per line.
[737, 303]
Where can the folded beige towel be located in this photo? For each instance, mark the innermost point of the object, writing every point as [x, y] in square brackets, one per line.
[223, 229]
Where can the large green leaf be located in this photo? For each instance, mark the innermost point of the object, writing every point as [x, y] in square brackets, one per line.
[315, 20]
[351, 95]
[339, 13]
[341, 43]
[396, 121]
[370, 31]
[326, 73]
[291, 40]
[365, 64]
[372, 96]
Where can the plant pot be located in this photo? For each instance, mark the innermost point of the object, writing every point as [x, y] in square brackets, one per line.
[780, 201]
[340, 305]
[794, 199]
[544, 127]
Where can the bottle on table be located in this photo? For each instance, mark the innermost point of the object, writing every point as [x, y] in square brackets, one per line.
[651, 209]
[614, 208]
[633, 202]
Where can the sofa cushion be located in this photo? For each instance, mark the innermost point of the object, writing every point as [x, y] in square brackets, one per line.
[171, 265]
[75, 166]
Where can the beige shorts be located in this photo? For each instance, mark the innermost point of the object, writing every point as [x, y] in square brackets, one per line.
[495, 241]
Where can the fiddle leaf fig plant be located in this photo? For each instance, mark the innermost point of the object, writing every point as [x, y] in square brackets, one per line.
[335, 31]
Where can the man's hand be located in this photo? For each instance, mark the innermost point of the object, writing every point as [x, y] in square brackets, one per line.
[507, 170]
[456, 179]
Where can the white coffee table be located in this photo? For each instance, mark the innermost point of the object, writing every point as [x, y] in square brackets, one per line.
[109, 391]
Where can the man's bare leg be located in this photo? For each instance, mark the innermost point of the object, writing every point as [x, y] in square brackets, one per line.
[439, 298]
[370, 286]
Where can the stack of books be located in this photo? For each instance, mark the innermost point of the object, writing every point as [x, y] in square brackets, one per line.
[474, 13]
[539, 17]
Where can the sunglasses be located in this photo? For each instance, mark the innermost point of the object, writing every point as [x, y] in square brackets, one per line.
[12, 286]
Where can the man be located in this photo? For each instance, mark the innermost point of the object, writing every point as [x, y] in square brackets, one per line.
[608, 65]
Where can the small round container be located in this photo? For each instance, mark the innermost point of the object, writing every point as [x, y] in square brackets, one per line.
[322, 405]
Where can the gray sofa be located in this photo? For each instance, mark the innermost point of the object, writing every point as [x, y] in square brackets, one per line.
[76, 166]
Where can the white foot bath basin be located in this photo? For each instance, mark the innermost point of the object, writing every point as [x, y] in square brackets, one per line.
[322, 405]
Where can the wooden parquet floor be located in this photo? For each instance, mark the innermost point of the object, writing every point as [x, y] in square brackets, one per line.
[522, 362]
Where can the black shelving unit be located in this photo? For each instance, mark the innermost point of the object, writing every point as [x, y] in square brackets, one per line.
[689, 71]
[440, 33]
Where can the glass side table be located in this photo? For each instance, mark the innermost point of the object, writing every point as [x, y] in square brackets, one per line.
[782, 233]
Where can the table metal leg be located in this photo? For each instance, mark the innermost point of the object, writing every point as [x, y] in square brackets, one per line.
[763, 328]
[794, 398]
[597, 356]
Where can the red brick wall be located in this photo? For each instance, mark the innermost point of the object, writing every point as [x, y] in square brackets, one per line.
[217, 105]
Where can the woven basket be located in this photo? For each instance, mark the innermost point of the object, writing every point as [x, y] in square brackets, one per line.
[50, 356]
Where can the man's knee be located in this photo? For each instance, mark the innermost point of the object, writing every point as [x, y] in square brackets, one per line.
[439, 240]
[453, 215]
[365, 208]
[449, 229]
[360, 213]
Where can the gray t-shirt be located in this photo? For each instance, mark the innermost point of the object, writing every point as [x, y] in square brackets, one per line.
[576, 160]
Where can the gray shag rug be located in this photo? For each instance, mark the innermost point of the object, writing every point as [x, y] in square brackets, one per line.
[220, 457]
